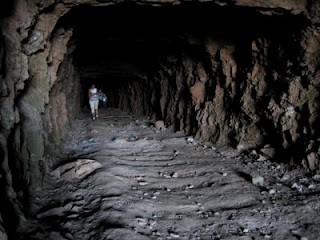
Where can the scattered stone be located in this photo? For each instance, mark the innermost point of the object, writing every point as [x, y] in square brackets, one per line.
[190, 140]
[254, 152]
[152, 223]
[175, 175]
[241, 148]
[272, 191]
[225, 174]
[311, 186]
[261, 158]
[270, 152]
[160, 125]
[257, 180]
[142, 221]
[174, 235]
[285, 177]
[190, 186]
[143, 183]
[296, 186]
[133, 138]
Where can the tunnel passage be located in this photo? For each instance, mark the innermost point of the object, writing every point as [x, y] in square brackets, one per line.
[191, 67]
[118, 50]
[251, 86]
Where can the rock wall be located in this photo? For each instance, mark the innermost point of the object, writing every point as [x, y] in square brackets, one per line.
[37, 78]
[270, 102]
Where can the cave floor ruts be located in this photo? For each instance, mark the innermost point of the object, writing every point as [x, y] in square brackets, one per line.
[150, 184]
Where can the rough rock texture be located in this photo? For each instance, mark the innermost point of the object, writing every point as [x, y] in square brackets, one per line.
[264, 102]
[156, 185]
[257, 90]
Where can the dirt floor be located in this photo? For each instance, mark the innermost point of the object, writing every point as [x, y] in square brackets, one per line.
[120, 178]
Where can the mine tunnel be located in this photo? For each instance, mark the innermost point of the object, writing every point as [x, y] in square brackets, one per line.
[239, 74]
[115, 48]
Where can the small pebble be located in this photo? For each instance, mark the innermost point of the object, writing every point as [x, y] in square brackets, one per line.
[143, 183]
[311, 186]
[174, 235]
[175, 175]
[190, 140]
[272, 191]
[257, 180]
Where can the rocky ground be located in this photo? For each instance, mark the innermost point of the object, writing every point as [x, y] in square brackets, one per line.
[120, 178]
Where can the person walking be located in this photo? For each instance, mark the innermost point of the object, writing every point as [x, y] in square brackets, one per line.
[93, 101]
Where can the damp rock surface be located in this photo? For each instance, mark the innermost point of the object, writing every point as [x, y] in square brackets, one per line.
[132, 181]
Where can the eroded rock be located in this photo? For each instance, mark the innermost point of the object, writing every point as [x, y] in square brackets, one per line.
[76, 170]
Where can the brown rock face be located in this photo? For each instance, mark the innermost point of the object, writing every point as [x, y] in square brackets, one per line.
[227, 83]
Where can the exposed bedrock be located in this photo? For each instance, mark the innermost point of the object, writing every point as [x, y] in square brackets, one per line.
[250, 86]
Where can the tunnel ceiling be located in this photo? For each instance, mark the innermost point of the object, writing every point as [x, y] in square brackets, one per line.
[126, 41]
